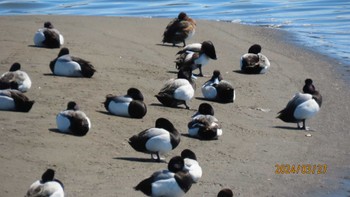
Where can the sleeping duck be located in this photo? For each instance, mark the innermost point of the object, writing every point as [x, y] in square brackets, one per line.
[47, 186]
[226, 192]
[179, 30]
[196, 56]
[172, 182]
[254, 62]
[130, 105]
[48, 37]
[302, 107]
[217, 89]
[191, 165]
[73, 121]
[15, 79]
[14, 100]
[204, 125]
[177, 91]
[70, 66]
[158, 140]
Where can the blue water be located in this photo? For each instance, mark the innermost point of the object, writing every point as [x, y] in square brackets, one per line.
[323, 25]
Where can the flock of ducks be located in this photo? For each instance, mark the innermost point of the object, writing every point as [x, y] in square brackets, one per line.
[183, 170]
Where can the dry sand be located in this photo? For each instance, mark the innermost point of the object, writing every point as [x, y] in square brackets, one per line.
[127, 53]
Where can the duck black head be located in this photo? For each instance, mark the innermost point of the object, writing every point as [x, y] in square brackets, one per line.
[16, 66]
[164, 124]
[63, 51]
[308, 81]
[216, 75]
[72, 106]
[48, 25]
[135, 94]
[182, 16]
[187, 153]
[225, 193]
[185, 73]
[255, 48]
[206, 109]
[209, 49]
[309, 88]
[48, 175]
[176, 164]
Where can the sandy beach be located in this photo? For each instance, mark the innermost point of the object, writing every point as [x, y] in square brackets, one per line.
[127, 52]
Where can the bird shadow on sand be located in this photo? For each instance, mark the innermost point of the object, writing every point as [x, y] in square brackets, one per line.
[109, 114]
[48, 74]
[172, 71]
[244, 73]
[143, 160]
[202, 99]
[160, 105]
[55, 130]
[292, 128]
[104, 112]
[195, 138]
[188, 136]
[169, 45]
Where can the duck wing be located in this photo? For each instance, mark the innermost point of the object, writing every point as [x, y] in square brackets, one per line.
[195, 47]
[250, 60]
[22, 102]
[52, 38]
[170, 86]
[146, 185]
[138, 142]
[8, 81]
[287, 114]
[171, 30]
[186, 60]
[87, 69]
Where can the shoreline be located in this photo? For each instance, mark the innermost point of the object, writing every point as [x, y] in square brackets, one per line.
[127, 52]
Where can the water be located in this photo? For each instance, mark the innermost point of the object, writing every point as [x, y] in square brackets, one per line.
[323, 25]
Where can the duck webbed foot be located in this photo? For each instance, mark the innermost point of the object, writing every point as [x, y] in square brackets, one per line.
[304, 127]
[156, 157]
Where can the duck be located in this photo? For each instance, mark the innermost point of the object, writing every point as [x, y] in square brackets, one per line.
[14, 100]
[226, 192]
[179, 30]
[48, 37]
[191, 165]
[47, 186]
[73, 121]
[196, 55]
[217, 89]
[301, 107]
[15, 78]
[172, 182]
[130, 105]
[70, 66]
[203, 124]
[178, 91]
[254, 62]
[157, 140]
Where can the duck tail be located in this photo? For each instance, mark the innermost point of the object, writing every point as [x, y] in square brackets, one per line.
[136, 143]
[145, 186]
[88, 70]
[23, 104]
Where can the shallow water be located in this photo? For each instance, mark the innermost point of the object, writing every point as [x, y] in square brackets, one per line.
[323, 25]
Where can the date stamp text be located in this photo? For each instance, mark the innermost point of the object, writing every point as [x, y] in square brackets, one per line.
[301, 169]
